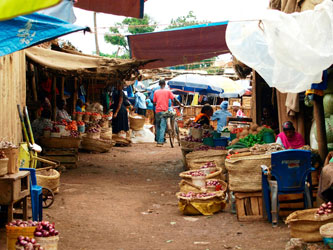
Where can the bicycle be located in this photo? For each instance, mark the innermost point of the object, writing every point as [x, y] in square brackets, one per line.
[172, 127]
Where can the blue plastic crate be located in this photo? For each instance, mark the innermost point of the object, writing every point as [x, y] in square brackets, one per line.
[328, 242]
[222, 141]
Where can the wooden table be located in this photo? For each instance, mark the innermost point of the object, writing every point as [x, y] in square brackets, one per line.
[14, 188]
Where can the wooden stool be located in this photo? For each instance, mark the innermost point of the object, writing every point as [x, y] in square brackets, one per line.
[14, 188]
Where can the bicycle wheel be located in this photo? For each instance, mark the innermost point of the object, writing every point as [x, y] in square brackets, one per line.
[171, 132]
[176, 129]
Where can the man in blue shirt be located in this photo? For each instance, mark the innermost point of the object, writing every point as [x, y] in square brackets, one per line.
[140, 101]
[221, 116]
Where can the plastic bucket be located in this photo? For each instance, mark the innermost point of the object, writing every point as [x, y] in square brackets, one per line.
[81, 128]
[14, 232]
[216, 135]
[48, 243]
[208, 141]
[268, 137]
[223, 142]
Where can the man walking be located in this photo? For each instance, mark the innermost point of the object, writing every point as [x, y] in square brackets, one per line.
[161, 102]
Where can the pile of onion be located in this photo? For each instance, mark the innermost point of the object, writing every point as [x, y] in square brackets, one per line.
[21, 223]
[209, 165]
[28, 243]
[325, 209]
[197, 173]
[45, 229]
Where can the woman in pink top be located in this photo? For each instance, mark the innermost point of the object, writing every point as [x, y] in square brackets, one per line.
[290, 139]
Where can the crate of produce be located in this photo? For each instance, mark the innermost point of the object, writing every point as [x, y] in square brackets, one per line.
[249, 206]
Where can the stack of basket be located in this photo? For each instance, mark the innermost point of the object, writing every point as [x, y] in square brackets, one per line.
[202, 191]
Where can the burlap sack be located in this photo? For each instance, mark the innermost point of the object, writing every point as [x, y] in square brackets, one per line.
[197, 159]
[245, 172]
[303, 224]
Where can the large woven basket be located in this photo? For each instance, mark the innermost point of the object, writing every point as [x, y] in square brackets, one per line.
[196, 158]
[137, 122]
[303, 224]
[189, 144]
[95, 145]
[216, 175]
[48, 178]
[204, 206]
[245, 172]
[3, 166]
[326, 230]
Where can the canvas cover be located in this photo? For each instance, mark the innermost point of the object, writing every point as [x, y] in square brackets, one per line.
[25, 31]
[180, 46]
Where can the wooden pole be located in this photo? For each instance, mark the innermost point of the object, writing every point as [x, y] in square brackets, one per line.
[318, 114]
[96, 35]
[54, 98]
[254, 99]
[75, 94]
[33, 82]
[62, 88]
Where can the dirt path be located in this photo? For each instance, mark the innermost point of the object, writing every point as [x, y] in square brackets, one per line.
[125, 199]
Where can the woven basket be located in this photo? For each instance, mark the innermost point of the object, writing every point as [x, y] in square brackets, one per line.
[94, 145]
[189, 144]
[216, 175]
[12, 155]
[94, 135]
[106, 133]
[204, 206]
[224, 185]
[49, 178]
[48, 243]
[3, 166]
[79, 117]
[196, 158]
[105, 124]
[86, 117]
[245, 172]
[137, 123]
[303, 224]
[326, 230]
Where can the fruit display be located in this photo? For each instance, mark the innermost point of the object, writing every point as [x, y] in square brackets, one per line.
[45, 229]
[27, 243]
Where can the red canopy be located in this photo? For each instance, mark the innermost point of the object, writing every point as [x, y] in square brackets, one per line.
[179, 46]
[129, 8]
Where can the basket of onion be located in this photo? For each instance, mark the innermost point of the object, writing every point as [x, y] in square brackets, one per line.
[325, 211]
[27, 243]
[187, 175]
[195, 203]
[93, 133]
[17, 228]
[209, 167]
[46, 235]
[216, 185]
[3, 163]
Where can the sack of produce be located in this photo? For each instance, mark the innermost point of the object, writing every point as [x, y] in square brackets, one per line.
[18, 228]
[305, 224]
[245, 172]
[187, 175]
[49, 178]
[192, 203]
[46, 235]
[190, 142]
[197, 159]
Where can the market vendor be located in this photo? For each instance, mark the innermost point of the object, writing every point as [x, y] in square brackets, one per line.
[237, 108]
[61, 111]
[204, 117]
[221, 116]
[79, 105]
[289, 138]
[38, 125]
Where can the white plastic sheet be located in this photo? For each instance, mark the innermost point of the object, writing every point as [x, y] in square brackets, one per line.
[289, 51]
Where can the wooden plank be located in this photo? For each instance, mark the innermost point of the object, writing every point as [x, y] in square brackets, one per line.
[240, 195]
[240, 208]
[296, 205]
[247, 202]
[54, 98]
[261, 208]
[255, 205]
[288, 197]
[60, 152]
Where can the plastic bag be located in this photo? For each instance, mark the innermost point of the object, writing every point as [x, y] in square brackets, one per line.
[289, 51]
[142, 136]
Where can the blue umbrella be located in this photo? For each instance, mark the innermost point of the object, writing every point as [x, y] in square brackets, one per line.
[194, 83]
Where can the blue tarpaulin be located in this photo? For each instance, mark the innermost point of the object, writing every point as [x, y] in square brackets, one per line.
[26, 31]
